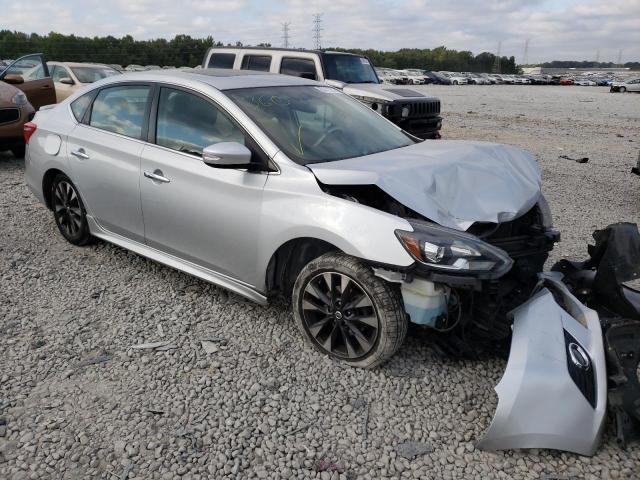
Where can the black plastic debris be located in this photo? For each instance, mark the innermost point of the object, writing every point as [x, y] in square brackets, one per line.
[577, 160]
[636, 169]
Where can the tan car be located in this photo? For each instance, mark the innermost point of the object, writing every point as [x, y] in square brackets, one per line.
[69, 77]
[25, 86]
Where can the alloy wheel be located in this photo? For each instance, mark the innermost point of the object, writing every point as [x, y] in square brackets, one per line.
[339, 315]
[67, 209]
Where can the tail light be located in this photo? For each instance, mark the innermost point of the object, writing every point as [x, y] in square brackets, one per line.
[28, 130]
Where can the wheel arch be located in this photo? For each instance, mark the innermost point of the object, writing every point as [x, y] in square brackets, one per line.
[47, 181]
[289, 259]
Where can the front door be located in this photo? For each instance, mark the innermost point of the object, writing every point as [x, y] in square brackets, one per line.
[105, 158]
[208, 216]
[31, 75]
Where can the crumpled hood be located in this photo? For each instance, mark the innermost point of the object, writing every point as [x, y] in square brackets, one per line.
[380, 92]
[453, 183]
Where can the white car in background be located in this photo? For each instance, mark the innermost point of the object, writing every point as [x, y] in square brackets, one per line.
[632, 85]
[456, 78]
[69, 77]
[415, 76]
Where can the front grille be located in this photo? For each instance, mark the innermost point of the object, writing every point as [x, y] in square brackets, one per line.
[580, 368]
[8, 115]
[422, 109]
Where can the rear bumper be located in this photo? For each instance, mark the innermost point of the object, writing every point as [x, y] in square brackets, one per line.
[550, 396]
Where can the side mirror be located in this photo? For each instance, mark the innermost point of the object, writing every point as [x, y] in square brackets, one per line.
[227, 155]
[14, 79]
[67, 81]
[336, 84]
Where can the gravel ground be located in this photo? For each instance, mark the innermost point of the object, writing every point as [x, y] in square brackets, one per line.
[77, 401]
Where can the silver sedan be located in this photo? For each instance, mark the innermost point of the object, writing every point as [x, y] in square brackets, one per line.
[274, 185]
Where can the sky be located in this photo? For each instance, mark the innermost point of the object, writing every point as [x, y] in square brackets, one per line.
[556, 29]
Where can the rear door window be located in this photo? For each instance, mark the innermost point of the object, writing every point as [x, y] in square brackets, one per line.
[299, 67]
[121, 110]
[221, 60]
[259, 63]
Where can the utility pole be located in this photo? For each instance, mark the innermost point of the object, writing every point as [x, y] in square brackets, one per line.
[285, 34]
[598, 56]
[496, 62]
[620, 57]
[317, 30]
[525, 56]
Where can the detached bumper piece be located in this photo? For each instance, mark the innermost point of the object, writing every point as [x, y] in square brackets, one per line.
[554, 391]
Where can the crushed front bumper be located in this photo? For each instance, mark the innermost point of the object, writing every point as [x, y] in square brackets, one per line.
[554, 391]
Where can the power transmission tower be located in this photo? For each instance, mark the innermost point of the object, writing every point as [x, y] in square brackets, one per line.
[620, 57]
[598, 56]
[285, 34]
[525, 56]
[317, 30]
[496, 62]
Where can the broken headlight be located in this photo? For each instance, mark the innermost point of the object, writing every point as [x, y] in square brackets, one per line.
[441, 248]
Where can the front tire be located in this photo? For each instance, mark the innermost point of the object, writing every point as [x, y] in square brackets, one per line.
[69, 212]
[622, 89]
[343, 310]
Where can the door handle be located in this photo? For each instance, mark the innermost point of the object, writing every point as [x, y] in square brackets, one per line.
[157, 176]
[80, 153]
[45, 87]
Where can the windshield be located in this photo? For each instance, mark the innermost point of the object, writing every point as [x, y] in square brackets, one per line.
[93, 74]
[348, 68]
[318, 124]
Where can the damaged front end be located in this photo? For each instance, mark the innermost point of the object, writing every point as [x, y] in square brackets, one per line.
[575, 346]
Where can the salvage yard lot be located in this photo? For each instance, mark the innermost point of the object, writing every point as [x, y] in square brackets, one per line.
[79, 402]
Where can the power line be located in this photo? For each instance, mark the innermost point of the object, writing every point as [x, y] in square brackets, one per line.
[285, 34]
[496, 62]
[317, 30]
[525, 56]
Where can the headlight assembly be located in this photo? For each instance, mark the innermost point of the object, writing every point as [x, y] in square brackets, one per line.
[451, 251]
[19, 99]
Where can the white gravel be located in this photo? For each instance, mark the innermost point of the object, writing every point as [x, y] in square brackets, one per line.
[77, 401]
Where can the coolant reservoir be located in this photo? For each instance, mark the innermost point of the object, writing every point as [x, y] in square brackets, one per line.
[424, 301]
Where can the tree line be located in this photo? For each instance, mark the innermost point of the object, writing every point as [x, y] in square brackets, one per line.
[183, 50]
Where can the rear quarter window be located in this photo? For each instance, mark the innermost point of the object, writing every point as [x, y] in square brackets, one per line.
[79, 105]
[221, 60]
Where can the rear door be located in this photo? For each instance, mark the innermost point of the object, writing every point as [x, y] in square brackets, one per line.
[31, 75]
[104, 153]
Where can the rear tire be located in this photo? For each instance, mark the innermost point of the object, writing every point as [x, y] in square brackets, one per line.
[18, 151]
[343, 310]
[69, 212]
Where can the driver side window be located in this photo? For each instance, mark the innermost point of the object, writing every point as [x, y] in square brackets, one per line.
[59, 72]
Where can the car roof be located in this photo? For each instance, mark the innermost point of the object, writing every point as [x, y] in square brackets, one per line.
[276, 49]
[221, 79]
[79, 64]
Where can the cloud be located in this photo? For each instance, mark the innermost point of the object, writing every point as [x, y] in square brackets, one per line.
[556, 29]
